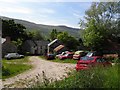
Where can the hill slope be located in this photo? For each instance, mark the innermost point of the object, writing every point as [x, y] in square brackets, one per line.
[45, 29]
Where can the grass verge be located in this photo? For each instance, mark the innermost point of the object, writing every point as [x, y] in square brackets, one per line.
[14, 67]
[61, 61]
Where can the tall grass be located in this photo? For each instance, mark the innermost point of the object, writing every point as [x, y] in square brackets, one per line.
[97, 77]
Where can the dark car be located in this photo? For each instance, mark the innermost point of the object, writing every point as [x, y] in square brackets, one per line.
[13, 56]
[88, 62]
[68, 55]
[50, 56]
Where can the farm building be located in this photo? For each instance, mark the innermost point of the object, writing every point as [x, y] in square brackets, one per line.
[56, 46]
[8, 46]
[35, 47]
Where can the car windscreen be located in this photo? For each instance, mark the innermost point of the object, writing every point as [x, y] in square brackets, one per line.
[89, 54]
[87, 58]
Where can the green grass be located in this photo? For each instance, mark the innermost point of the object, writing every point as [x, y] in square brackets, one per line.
[93, 78]
[22, 60]
[65, 61]
[61, 61]
[14, 67]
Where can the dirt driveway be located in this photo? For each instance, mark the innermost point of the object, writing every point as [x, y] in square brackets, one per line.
[52, 70]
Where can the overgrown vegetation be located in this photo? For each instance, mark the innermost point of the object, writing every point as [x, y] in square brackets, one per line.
[93, 78]
[13, 67]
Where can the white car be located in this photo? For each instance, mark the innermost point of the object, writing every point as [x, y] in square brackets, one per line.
[13, 56]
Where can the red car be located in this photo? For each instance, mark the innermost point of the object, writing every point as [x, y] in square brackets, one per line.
[87, 62]
[66, 56]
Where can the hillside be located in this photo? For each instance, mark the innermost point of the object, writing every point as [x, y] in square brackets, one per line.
[45, 29]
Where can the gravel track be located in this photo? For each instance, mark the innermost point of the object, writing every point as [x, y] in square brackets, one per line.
[52, 70]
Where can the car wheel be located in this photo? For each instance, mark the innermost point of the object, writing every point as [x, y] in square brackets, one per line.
[8, 58]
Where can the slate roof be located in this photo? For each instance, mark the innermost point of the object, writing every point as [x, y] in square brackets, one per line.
[31, 43]
[37, 43]
[42, 42]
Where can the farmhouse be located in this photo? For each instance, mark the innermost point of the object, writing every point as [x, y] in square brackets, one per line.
[35, 47]
[8, 46]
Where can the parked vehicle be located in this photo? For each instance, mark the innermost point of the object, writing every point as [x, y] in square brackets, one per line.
[68, 55]
[88, 62]
[78, 54]
[63, 53]
[50, 56]
[13, 56]
[94, 53]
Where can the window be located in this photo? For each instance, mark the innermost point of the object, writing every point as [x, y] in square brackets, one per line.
[89, 54]
[70, 54]
[100, 60]
[87, 58]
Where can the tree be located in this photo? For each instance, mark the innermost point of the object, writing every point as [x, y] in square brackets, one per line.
[13, 30]
[69, 41]
[92, 37]
[53, 34]
[101, 23]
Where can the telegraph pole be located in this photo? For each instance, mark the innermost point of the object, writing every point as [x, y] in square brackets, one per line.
[0, 54]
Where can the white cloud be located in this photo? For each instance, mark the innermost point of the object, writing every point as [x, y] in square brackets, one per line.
[18, 1]
[8, 1]
[21, 10]
[76, 15]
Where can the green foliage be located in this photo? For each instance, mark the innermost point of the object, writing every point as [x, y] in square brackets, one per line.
[93, 37]
[18, 42]
[102, 23]
[35, 35]
[115, 60]
[53, 34]
[13, 30]
[5, 71]
[69, 41]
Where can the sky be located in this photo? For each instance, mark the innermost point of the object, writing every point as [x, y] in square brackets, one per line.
[55, 13]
